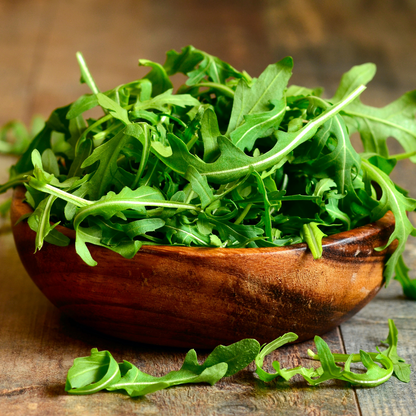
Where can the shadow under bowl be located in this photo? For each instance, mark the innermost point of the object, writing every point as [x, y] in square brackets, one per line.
[202, 297]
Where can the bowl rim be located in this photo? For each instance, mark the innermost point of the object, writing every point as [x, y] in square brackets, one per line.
[21, 208]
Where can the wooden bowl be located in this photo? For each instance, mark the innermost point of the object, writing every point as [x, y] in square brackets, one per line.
[202, 297]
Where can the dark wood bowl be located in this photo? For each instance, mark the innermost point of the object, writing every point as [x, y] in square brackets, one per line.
[202, 297]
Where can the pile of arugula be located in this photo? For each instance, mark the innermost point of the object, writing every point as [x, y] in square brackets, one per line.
[100, 371]
[227, 161]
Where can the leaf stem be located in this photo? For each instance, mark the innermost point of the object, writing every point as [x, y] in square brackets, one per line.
[86, 75]
[402, 156]
[243, 214]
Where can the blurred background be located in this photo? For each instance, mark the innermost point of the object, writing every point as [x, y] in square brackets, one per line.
[39, 39]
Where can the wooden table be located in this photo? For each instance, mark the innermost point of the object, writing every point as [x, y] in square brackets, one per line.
[38, 41]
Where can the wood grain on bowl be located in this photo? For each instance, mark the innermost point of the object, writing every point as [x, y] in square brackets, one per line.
[202, 297]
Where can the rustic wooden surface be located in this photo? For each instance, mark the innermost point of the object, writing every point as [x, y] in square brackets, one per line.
[38, 72]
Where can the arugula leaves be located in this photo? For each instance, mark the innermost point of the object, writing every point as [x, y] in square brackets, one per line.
[100, 371]
[408, 285]
[226, 161]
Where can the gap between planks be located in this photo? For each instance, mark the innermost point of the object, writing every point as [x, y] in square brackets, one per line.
[344, 351]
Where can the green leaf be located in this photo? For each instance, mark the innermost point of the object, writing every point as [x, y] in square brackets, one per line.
[106, 156]
[376, 125]
[401, 368]
[92, 374]
[258, 125]
[200, 186]
[179, 232]
[209, 133]
[396, 202]
[162, 102]
[157, 76]
[256, 99]
[312, 236]
[356, 76]
[100, 371]
[114, 108]
[269, 348]
[343, 159]
[49, 162]
[84, 103]
[374, 376]
[408, 285]
[233, 164]
[197, 65]
[237, 356]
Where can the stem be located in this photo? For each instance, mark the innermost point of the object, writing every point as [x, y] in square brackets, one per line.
[191, 142]
[227, 91]
[86, 75]
[93, 126]
[18, 180]
[402, 156]
[66, 196]
[243, 214]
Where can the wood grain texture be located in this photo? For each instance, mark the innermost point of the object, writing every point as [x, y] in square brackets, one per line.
[197, 297]
[38, 41]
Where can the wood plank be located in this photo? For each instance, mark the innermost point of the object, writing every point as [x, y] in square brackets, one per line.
[369, 327]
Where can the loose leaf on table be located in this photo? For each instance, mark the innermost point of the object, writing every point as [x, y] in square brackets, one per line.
[91, 374]
[374, 376]
[269, 348]
[401, 368]
[100, 371]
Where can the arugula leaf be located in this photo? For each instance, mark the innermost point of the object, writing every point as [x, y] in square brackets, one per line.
[312, 236]
[356, 76]
[395, 201]
[376, 125]
[91, 374]
[200, 186]
[100, 371]
[232, 164]
[269, 348]
[197, 65]
[408, 285]
[106, 156]
[401, 368]
[254, 99]
[114, 108]
[157, 76]
[258, 125]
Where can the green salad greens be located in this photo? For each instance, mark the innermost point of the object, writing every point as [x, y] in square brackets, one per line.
[226, 161]
[100, 371]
